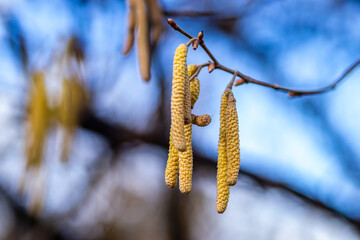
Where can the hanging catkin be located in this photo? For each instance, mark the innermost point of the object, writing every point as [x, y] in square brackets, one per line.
[129, 42]
[187, 101]
[232, 141]
[186, 163]
[186, 158]
[191, 69]
[195, 91]
[39, 119]
[222, 186]
[143, 40]
[172, 166]
[194, 85]
[177, 98]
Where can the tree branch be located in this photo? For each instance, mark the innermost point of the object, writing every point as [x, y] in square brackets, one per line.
[120, 135]
[247, 79]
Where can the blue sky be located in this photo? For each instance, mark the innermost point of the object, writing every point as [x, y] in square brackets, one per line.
[279, 139]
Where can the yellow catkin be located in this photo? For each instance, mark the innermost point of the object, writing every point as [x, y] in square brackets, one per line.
[194, 85]
[129, 42]
[186, 163]
[187, 101]
[222, 186]
[191, 69]
[39, 119]
[195, 91]
[177, 98]
[73, 100]
[143, 40]
[172, 166]
[232, 141]
[157, 27]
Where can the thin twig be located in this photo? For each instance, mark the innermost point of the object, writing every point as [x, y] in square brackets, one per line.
[198, 69]
[231, 83]
[190, 42]
[247, 79]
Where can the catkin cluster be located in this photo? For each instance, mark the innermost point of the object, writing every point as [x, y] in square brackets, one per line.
[44, 110]
[228, 150]
[184, 95]
[180, 159]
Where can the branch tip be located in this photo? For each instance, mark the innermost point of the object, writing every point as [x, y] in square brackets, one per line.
[245, 79]
[172, 23]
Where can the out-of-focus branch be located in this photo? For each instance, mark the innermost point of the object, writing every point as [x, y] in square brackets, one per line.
[247, 79]
[192, 14]
[25, 223]
[117, 135]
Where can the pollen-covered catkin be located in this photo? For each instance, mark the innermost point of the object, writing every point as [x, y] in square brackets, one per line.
[232, 141]
[187, 101]
[223, 190]
[38, 120]
[172, 166]
[194, 85]
[177, 98]
[186, 163]
[191, 69]
[195, 91]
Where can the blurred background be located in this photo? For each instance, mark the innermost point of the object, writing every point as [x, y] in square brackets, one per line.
[84, 140]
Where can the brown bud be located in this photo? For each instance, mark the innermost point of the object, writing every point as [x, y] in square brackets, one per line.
[195, 44]
[294, 94]
[201, 35]
[239, 82]
[211, 67]
[172, 23]
[201, 121]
